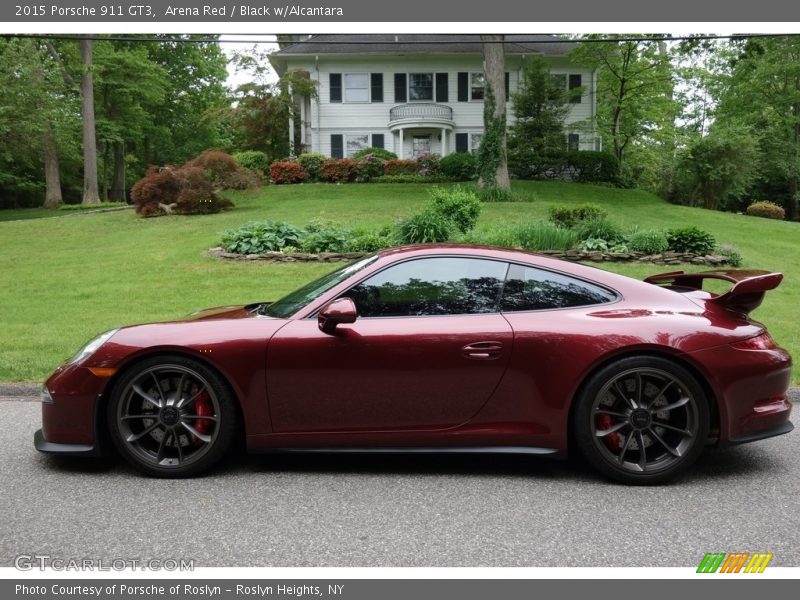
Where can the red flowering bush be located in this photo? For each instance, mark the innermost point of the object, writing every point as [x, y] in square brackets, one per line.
[287, 172]
[341, 170]
[400, 167]
[185, 190]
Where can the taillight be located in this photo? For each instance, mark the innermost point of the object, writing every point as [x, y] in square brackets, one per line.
[762, 341]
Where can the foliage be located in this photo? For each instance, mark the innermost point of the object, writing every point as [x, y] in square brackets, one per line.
[369, 167]
[766, 209]
[261, 237]
[85, 207]
[416, 178]
[540, 107]
[339, 170]
[366, 240]
[721, 165]
[599, 229]
[381, 153]
[425, 227]
[401, 167]
[429, 164]
[648, 242]
[459, 204]
[222, 171]
[691, 239]
[492, 151]
[497, 194]
[583, 166]
[286, 172]
[593, 245]
[312, 164]
[731, 253]
[460, 166]
[253, 160]
[184, 190]
[569, 216]
[536, 236]
[320, 236]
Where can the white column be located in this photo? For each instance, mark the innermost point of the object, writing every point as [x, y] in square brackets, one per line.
[291, 124]
[444, 141]
[402, 143]
[303, 119]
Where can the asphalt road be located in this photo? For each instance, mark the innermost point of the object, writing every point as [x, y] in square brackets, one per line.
[395, 510]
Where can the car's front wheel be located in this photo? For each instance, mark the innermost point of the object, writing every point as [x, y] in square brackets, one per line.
[641, 420]
[172, 416]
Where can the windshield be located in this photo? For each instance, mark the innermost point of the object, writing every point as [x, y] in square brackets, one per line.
[294, 301]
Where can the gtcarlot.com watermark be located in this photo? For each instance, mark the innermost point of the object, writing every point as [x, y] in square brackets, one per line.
[43, 562]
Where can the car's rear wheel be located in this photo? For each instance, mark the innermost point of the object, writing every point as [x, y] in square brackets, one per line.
[641, 420]
[172, 416]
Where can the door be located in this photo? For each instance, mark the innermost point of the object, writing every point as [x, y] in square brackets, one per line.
[426, 352]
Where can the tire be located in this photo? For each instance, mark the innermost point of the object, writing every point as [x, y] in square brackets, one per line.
[172, 416]
[641, 402]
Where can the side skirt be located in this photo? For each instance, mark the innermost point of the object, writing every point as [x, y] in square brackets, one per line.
[530, 450]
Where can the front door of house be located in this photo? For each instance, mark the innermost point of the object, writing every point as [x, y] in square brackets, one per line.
[421, 144]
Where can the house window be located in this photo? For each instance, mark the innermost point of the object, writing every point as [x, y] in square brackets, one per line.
[354, 143]
[421, 145]
[573, 142]
[477, 85]
[575, 88]
[420, 87]
[475, 141]
[356, 87]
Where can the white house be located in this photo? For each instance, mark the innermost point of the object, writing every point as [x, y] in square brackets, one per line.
[413, 94]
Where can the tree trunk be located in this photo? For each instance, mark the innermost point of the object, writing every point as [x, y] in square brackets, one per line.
[52, 177]
[494, 67]
[90, 191]
[118, 182]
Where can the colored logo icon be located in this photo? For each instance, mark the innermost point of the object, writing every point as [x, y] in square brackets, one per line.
[734, 562]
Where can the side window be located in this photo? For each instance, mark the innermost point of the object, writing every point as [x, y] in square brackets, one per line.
[432, 286]
[534, 289]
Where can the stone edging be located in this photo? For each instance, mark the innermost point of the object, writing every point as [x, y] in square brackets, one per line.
[665, 258]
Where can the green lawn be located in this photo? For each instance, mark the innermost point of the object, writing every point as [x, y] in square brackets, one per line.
[64, 280]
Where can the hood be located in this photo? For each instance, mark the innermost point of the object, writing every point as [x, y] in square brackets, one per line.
[236, 311]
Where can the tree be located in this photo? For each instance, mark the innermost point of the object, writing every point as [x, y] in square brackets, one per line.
[91, 195]
[634, 88]
[492, 154]
[540, 107]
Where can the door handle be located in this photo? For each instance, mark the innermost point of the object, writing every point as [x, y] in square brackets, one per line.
[483, 350]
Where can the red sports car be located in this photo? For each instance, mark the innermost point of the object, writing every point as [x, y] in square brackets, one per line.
[438, 348]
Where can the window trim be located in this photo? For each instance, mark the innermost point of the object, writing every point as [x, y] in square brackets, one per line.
[472, 86]
[472, 148]
[433, 85]
[368, 88]
[350, 135]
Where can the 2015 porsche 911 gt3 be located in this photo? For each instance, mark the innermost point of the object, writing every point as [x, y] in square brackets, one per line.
[439, 348]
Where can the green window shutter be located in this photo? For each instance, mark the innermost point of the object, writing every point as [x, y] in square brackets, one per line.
[442, 92]
[462, 142]
[400, 87]
[376, 83]
[335, 80]
[508, 86]
[337, 145]
[463, 87]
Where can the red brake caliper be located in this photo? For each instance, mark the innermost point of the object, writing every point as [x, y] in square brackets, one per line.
[612, 439]
[203, 408]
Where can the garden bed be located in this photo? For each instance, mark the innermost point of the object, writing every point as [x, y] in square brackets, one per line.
[665, 258]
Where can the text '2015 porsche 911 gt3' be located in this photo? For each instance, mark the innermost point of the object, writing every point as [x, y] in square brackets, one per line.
[439, 348]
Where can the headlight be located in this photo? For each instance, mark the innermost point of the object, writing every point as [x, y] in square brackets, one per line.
[92, 347]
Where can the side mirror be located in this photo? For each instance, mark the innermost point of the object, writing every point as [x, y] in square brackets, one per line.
[341, 310]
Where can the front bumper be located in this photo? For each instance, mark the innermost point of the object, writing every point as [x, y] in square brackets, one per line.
[42, 445]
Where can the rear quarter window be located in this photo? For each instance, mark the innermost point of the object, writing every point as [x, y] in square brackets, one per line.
[528, 288]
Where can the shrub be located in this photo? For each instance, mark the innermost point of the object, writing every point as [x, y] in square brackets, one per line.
[542, 235]
[429, 164]
[369, 166]
[599, 229]
[566, 216]
[287, 172]
[370, 241]
[459, 204]
[424, 228]
[730, 253]
[184, 190]
[264, 236]
[648, 242]
[412, 179]
[582, 166]
[222, 170]
[312, 164]
[766, 209]
[324, 237]
[691, 239]
[593, 245]
[493, 193]
[339, 170]
[253, 160]
[401, 167]
[381, 153]
[460, 166]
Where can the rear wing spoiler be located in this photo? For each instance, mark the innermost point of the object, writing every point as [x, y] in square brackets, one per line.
[746, 294]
